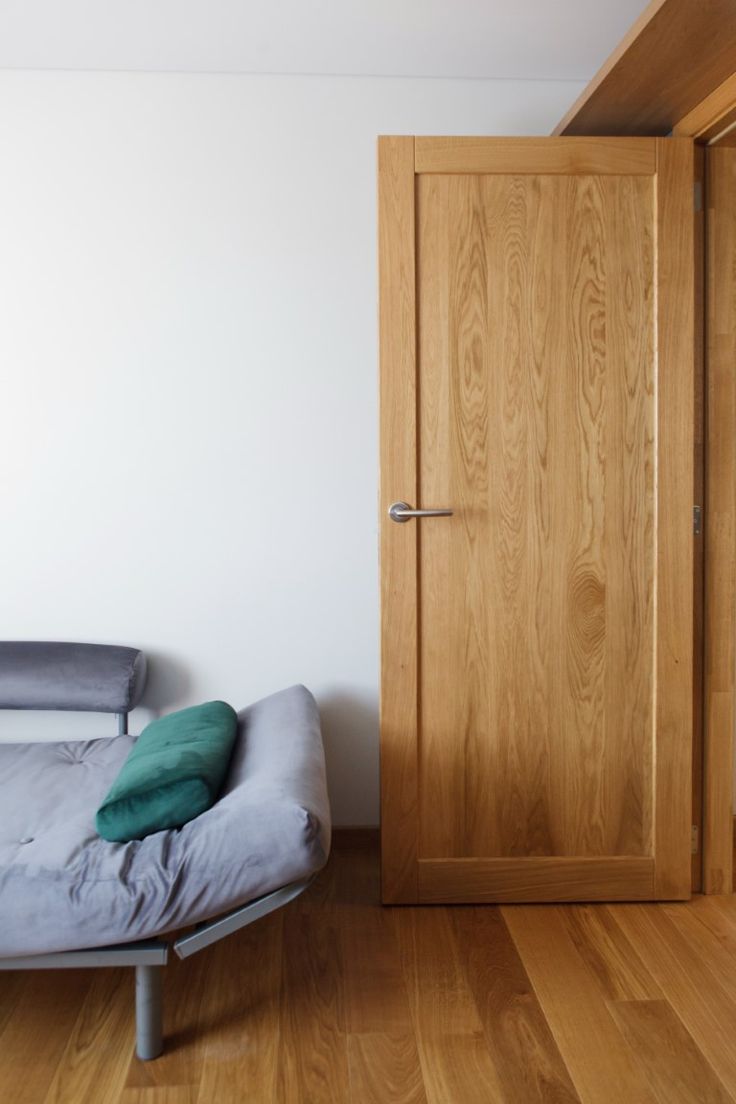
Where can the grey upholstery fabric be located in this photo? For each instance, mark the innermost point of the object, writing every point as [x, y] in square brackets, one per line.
[63, 888]
[100, 678]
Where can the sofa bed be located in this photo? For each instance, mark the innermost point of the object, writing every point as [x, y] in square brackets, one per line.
[70, 898]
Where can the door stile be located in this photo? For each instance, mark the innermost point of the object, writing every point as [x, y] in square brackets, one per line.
[675, 490]
[399, 593]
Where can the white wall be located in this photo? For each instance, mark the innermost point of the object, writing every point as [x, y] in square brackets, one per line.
[188, 358]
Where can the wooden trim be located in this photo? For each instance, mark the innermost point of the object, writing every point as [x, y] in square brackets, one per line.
[720, 520]
[398, 403]
[615, 156]
[675, 490]
[674, 56]
[696, 872]
[536, 878]
[710, 118]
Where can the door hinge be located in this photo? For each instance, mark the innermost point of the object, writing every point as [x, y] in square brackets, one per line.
[698, 195]
[697, 520]
[694, 839]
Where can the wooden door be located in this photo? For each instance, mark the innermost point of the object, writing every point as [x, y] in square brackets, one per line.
[537, 348]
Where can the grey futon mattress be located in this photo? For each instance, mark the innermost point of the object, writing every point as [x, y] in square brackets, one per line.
[64, 888]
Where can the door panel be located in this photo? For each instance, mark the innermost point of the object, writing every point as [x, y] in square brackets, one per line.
[536, 422]
[537, 371]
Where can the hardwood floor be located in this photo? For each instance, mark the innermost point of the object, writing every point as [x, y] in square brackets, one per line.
[338, 1000]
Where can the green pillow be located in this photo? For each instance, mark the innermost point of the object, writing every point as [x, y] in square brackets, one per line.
[173, 773]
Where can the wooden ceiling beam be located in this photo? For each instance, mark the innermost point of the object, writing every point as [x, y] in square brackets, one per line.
[713, 117]
[676, 54]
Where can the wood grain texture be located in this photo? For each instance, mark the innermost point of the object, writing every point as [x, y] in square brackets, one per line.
[526, 1016]
[720, 522]
[675, 1066]
[547, 878]
[37, 1030]
[712, 116]
[565, 156]
[698, 751]
[241, 1047]
[313, 1049]
[675, 497]
[590, 1044]
[376, 998]
[385, 1067]
[620, 972]
[441, 1002]
[92, 1067]
[459, 1068]
[675, 54]
[524, 1052]
[704, 930]
[397, 323]
[691, 985]
[160, 1094]
[554, 391]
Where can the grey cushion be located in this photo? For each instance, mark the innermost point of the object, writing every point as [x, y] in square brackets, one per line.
[100, 678]
[62, 887]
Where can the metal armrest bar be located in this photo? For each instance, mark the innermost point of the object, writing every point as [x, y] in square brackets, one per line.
[214, 930]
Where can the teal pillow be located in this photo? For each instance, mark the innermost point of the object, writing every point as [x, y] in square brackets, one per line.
[173, 773]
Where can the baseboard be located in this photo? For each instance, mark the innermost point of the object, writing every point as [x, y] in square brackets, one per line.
[356, 836]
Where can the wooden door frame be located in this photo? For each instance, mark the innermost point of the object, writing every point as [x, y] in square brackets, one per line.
[719, 690]
[712, 124]
[399, 158]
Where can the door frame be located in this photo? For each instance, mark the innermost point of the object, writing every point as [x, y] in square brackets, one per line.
[399, 159]
[719, 645]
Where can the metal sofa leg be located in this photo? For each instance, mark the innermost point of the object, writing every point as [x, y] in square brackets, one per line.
[149, 1028]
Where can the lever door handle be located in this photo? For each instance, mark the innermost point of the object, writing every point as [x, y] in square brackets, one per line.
[402, 511]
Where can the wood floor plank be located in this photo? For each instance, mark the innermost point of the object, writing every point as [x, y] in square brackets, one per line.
[458, 1070]
[620, 972]
[590, 1043]
[718, 915]
[12, 984]
[712, 938]
[694, 991]
[439, 996]
[93, 1066]
[456, 1061]
[676, 1067]
[376, 999]
[239, 1027]
[385, 1068]
[159, 1094]
[525, 1054]
[37, 1032]
[312, 1053]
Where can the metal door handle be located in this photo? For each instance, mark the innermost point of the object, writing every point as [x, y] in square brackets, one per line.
[402, 511]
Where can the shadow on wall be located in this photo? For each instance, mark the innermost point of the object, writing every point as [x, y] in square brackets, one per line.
[168, 682]
[350, 734]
